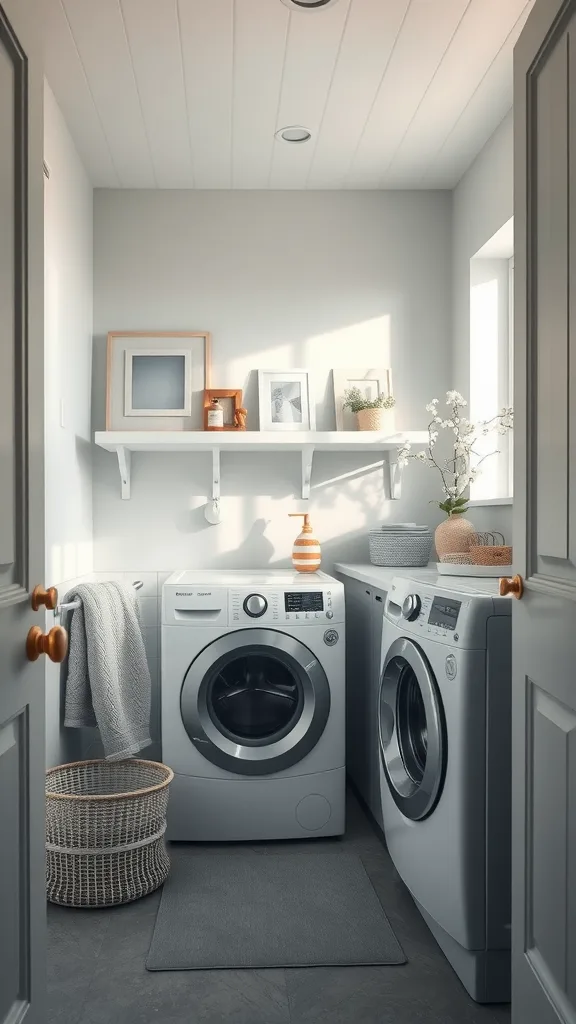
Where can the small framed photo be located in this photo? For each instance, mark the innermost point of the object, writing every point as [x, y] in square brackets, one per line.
[156, 379]
[231, 402]
[370, 382]
[284, 400]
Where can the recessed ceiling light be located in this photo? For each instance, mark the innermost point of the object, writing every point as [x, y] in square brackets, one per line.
[294, 133]
[308, 5]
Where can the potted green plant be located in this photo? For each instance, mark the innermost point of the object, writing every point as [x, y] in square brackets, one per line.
[455, 533]
[371, 413]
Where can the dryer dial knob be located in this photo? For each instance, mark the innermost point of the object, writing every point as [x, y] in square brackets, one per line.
[411, 607]
[255, 605]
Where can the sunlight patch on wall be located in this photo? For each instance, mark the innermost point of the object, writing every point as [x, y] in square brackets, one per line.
[361, 344]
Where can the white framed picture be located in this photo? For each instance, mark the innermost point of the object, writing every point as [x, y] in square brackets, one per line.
[284, 400]
[372, 383]
[156, 379]
[158, 383]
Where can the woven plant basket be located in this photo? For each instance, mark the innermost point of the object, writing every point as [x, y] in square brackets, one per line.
[105, 825]
[488, 554]
[376, 419]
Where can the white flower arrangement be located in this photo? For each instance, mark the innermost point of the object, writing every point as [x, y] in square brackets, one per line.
[456, 472]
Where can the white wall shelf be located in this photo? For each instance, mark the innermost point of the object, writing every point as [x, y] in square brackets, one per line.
[123, 443]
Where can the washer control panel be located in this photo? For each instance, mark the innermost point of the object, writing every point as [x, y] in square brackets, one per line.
[276, 597]
[304, 606]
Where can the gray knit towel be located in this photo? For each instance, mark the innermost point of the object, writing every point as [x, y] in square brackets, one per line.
[108, 682]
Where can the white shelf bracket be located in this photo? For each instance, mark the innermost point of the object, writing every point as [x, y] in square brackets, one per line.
[215, 474]
[307, 458]
[125, 466]
[392, 476]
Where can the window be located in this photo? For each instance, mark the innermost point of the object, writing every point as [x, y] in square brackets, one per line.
[491, 376]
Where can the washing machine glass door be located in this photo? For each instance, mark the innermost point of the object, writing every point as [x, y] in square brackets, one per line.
[412, 730]
[255, 701]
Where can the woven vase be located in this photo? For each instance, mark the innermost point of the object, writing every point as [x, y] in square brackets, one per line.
[381, 420]
[455, 534]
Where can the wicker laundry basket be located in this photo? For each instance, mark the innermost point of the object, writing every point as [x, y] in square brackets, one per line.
[105, 824]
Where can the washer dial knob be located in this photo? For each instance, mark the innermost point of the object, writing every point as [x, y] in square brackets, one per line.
[255, 605]
[411, 607]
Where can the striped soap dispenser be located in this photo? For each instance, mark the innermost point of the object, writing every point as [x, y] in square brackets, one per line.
[306, 556]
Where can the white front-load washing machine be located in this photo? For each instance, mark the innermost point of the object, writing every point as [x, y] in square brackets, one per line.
[253, 704]
[445, 745]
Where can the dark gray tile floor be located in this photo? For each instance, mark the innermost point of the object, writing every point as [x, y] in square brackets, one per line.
[96, 972]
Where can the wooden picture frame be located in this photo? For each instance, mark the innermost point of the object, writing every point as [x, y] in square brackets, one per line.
[231, 399]
[130, 379]
[372, 382]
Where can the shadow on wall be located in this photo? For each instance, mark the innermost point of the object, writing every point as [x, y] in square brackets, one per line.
[163, 524]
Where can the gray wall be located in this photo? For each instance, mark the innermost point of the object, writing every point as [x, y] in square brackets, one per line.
[482, 203]
[68, 364]
[286, 279]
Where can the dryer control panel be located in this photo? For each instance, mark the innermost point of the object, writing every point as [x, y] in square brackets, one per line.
[454, 612]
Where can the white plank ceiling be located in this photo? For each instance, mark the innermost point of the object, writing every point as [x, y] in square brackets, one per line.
[189, 93]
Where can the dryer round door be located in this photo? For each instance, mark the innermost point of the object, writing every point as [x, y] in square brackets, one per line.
[255, 701]
[412, 730]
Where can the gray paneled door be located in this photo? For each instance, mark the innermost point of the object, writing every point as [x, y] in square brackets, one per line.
[22, 887]
[544, 621]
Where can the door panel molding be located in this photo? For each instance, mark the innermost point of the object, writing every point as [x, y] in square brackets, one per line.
[16, 584]
[535, 45]
[548, 336]
[554, 586]
[15, 969]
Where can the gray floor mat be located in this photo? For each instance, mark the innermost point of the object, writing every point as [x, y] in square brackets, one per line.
[248, 910]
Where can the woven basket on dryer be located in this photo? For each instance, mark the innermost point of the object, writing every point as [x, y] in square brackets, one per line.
[105, 824]
[404, 548]
[457, 558]
[491, 554]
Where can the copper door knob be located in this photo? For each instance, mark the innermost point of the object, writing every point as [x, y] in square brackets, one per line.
[54, 643]
[514, 586]
[49, 598]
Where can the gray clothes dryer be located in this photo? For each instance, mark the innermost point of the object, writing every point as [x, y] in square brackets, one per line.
[445, 752]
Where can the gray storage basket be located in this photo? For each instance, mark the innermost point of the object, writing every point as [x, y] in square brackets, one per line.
[105, 825]
[402, 549]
